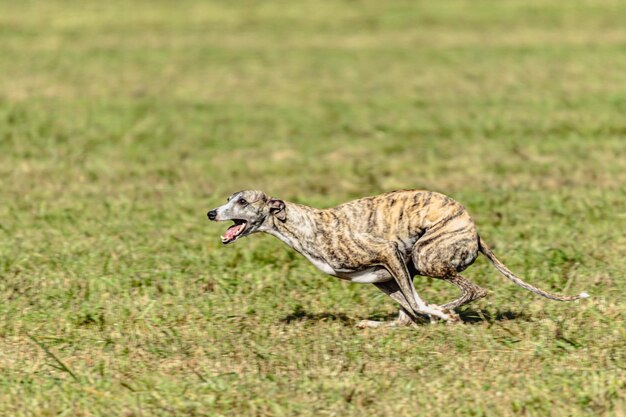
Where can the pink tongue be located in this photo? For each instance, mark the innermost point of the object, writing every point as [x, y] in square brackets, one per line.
[233, 231]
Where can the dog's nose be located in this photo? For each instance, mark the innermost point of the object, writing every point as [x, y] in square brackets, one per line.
[212, 214]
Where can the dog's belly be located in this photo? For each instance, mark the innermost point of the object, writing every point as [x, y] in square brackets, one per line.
[367, 276]
[364, 276]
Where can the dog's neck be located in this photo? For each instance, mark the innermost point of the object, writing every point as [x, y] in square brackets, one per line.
[299, 229]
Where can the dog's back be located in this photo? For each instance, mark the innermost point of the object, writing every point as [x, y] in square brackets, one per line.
[399, 214]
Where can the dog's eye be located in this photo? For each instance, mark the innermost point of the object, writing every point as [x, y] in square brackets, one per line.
[242, 201]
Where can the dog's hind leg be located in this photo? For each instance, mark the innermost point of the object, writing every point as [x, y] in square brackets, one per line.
[469, 291]
[445, 250]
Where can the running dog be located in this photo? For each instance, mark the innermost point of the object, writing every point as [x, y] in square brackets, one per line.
[383, 240]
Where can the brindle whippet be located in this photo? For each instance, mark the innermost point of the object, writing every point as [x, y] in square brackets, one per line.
[383, 240]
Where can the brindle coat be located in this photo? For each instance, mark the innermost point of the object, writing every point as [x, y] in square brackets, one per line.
[384, 240]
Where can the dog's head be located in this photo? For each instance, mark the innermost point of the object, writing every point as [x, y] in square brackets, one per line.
[249, 210]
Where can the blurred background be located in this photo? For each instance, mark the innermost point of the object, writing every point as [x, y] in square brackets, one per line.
[122, 123]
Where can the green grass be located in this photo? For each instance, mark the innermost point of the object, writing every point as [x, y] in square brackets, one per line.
[122, 124]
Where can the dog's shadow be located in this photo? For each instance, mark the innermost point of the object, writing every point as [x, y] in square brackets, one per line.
[468, 316]
[300, 314]
[471, 316]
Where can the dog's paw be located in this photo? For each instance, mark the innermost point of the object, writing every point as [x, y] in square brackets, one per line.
[453, 317]
[446, 315]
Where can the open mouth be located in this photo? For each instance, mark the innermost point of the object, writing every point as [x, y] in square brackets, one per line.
[234, 231]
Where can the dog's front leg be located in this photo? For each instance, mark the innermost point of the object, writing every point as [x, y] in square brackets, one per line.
[392, 289]
[405, 315]
[393, 261]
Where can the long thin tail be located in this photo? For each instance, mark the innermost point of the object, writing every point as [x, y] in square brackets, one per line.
[507, 273]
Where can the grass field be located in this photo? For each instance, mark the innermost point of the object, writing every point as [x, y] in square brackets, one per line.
[122, 123]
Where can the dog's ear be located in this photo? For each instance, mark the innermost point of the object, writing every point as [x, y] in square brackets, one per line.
[277, 208]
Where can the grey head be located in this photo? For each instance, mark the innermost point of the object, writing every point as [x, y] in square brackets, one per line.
[250, 212]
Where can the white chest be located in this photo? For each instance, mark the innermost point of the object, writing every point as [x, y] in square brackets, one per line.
[321, 265]
[317, 262]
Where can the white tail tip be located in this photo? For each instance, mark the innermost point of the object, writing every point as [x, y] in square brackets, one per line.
[583, 295]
